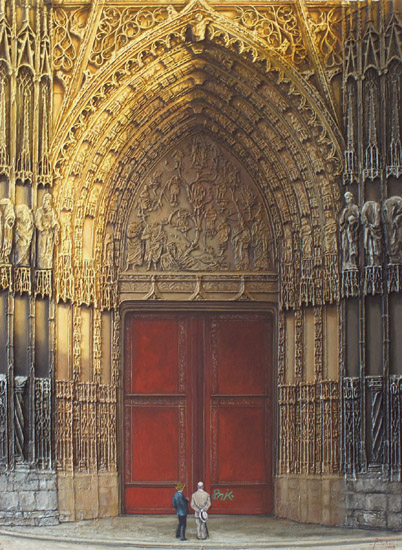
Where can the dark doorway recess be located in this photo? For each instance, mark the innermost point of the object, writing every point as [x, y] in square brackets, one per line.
[198, 406]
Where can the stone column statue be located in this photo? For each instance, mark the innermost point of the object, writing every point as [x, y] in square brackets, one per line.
[47, 227]
[349, 223]
[24, 227]
[371, 220]
[7, 221]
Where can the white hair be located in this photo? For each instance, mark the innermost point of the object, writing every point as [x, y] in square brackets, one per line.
[200, 485]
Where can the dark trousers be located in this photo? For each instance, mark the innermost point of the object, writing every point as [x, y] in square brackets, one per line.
[181, 528]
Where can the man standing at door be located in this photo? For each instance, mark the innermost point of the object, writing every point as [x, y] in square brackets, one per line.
[181, 504]
[200, 502]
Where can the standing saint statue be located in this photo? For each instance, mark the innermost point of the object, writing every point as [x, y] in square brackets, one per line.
[349, 228]
[24, 227]
[7, 221]
[47, 227]
[371, 220]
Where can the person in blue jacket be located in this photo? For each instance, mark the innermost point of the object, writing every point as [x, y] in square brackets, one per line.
[181, 504]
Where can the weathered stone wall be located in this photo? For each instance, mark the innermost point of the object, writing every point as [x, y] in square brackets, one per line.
[311, 499]
[373, 502]
[28, 498]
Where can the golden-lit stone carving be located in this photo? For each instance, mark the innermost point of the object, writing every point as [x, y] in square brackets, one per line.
[47, 227]
[210, 221]
[7, 221]
[24, 228]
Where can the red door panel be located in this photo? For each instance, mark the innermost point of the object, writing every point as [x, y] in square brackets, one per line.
[157, 417]
[239, 355]
[155, 348]
[239, 416]
[197, 405]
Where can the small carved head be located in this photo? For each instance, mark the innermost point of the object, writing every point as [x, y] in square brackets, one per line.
[349, 197]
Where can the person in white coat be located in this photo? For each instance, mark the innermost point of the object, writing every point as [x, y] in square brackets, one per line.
[200, 503]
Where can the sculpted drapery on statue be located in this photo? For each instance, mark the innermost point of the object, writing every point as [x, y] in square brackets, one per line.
[349, 226]
[7, 222]
[47, 226]
[24, 228]
[392, 211]
[198, 211]
[371, 220]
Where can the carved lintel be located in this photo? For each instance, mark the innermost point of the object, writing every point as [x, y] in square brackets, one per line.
[243, 294]
[153, 293]
[198, 294]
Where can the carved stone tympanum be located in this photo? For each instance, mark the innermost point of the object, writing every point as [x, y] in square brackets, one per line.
[198, 211]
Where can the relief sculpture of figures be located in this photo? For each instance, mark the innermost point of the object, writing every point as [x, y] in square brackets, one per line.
[241, 239]
[197, 211]
[349, 223]
[330, 232]
[287, 250]
[47, 226]
[371, 220]
[199, 27]
[24, 227]
[392, 211]
[7, 221]
[260, 241]
[135, 254]
[154, 238]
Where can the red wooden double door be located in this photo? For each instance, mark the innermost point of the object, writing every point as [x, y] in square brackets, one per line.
[198, 406]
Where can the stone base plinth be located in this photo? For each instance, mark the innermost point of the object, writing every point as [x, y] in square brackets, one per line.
[28, 498]
[373, 502]
[88, 496]
[311, 499]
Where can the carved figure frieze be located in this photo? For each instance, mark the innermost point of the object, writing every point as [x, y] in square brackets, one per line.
[193, 213]
[47, 226]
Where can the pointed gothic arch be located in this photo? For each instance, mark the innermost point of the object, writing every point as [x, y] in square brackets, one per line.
[172, 82]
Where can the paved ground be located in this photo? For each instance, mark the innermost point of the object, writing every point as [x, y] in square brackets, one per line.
[227, 532]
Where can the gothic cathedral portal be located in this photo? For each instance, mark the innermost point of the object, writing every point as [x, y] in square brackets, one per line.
[201, 258]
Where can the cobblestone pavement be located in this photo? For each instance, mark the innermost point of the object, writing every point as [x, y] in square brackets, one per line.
[227, 532]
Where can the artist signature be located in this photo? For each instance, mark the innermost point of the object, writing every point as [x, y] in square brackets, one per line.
[218, 495]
